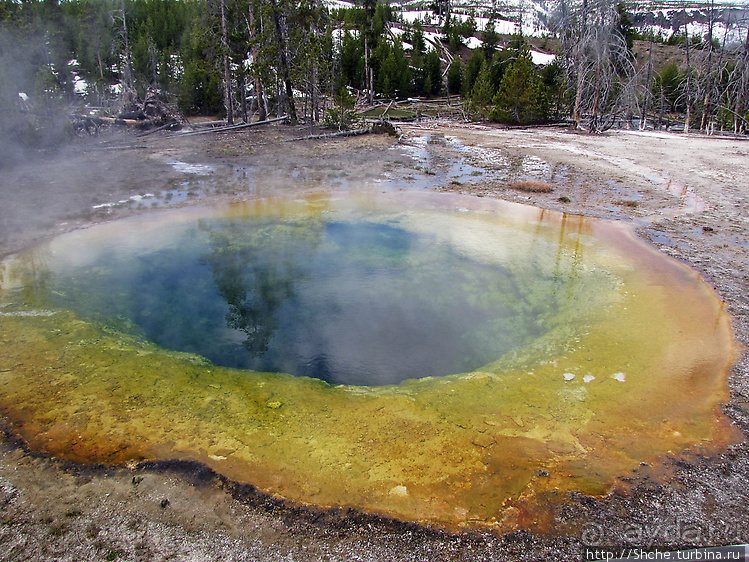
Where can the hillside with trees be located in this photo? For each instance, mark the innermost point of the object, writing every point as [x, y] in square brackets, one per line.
[243, 60]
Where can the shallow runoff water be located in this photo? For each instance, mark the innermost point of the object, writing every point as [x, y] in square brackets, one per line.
[438, 358]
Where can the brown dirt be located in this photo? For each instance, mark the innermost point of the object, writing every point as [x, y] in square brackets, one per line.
[687, 195]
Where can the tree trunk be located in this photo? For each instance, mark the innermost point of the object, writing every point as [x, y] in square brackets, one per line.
[594, 118]
[709, 73]
[227, 71]
[284, 64]
[315, 109]
[371, 85]
[582, 69]
[370, 7]
[662, 107]
[720, 59]
[99, 65]
[261, 108]
[688, 116]
[645, 102]
[366, 67]
[565, 46]
[153, 60]
[578, 96]
[243, 93]
[280, 98]
[742, 84]
[128, 88]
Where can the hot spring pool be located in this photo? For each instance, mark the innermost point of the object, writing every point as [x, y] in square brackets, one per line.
[444, 359]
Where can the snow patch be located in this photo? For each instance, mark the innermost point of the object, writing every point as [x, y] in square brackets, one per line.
[337, 4]
[473, 42]
[80, 86]
[417, 15]
[542, 59]
[434, 38]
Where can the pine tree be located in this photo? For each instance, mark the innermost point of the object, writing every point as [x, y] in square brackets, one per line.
[455, 77]
[482, 92]
[433, 73]
[519, 99]
[472, 70]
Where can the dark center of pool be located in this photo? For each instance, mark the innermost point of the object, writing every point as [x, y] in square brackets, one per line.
[363, 302]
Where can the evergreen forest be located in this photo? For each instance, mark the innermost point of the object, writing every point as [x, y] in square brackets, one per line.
[243, 60]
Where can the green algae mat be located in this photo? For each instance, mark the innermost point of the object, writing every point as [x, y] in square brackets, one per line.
[443, 359]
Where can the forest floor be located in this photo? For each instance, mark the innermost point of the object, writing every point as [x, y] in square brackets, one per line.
[687, 195]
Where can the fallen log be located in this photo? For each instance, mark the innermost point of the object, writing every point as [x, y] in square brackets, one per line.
[354, 133]
[169, 126]
[118, 121]
[234, 127]
[209, 124]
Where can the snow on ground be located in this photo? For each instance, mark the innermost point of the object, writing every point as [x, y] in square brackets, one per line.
[473, 42]
[531, 24]
[539, 58]
[337, 4]
[424, 16]
[397, 33]
[431, 37]
[735, 34]
[80, 86]
[542, 59]
[339, 32]
[177, 67]
[533, 20]
[434, 38]
[504, 27]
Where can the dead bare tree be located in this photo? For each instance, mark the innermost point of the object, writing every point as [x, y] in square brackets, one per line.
[738, 84]
[369, 10]
[721, 87]
[253, 41]
[711, 84]
[561, 23]
[598, 61]
[283, 60]
[648, 90]
[228, 102]
[688, 81]
[128, 94]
